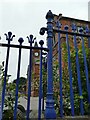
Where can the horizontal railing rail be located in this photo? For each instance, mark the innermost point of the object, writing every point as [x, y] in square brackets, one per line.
[23, 46]
[55, 30]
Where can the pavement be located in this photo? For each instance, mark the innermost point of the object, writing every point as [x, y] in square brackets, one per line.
[33, 106]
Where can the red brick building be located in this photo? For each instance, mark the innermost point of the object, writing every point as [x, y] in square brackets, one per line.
[36, 54]
[35, 71]
[67, 21]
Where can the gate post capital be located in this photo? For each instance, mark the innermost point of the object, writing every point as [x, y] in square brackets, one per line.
[49, 15]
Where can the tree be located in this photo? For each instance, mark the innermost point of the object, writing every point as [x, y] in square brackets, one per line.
[22, 85]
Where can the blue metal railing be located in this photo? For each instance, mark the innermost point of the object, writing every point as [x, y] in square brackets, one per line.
[50, 112]
[9, 37]
[54, 29]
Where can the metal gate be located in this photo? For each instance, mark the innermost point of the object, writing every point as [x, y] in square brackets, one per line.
[50, 112]
[9, 38]
[54, 30]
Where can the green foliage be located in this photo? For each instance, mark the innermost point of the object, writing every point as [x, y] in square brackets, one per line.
[22, 85]
[8, 115]
[10, 96]
[10, 102]
[65, 79]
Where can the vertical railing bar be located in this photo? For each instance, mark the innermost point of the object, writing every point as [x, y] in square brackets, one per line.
[40, 83]
[29, 84]
[30, 39]
[89, 74]
[86, 69]
[9, 37]
[60, 69]
[79, 77]
[43, 86]
[60, 73]
[17, 81]
[42, 102]
[5, 75]
[70, 75]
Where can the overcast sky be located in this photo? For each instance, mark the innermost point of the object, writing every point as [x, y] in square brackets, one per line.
[25, 17]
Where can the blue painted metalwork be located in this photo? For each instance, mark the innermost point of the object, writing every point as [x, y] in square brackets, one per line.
[87, 30]
[78, 71]
[40, 83]
[17, 81]
[88, 83]
[86, 67]
[30, 40]
[66, 32]
[9, 38]
[50, 110]
[23, 46]
[70, 73]
[0, 112]
[60, 68]
[45, 68]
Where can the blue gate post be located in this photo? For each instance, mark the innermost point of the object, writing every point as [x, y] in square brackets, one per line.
[50, 110]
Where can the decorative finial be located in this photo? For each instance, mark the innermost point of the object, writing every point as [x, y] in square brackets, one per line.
[66, 27]
[87, 29]
[20, 40]
[41, 42]
[31, 39]
[49, 15]
[81, 30]
[74, 27]
[9, 36]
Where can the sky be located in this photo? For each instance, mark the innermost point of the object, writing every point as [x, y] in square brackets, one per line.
[25, 17]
